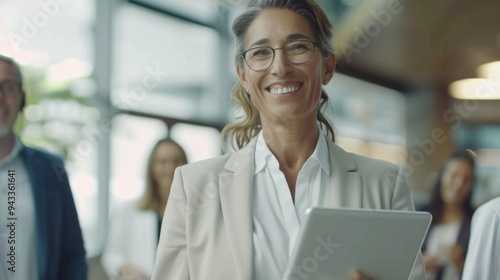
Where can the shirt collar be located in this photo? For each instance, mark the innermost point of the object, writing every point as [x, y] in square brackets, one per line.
[262, 153]
[320, 154]
[14, 153]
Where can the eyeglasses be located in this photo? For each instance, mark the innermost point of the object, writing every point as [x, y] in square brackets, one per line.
[261, 58]
[165, 161]
[9, 88]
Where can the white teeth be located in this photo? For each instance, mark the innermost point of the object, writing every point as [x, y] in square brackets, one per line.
[283, 90]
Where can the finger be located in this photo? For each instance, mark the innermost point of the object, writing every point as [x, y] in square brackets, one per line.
[356, 275]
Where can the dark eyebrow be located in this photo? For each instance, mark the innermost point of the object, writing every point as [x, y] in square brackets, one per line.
[297, 36]
[291, 37]
[259, 42]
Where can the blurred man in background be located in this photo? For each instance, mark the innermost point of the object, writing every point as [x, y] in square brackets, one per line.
[40, 236]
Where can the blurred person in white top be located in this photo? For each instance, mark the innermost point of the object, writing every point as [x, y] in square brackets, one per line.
[483, 257]
[135, 225]
[445, 246]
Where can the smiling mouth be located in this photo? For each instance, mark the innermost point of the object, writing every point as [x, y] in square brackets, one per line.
[283, 90]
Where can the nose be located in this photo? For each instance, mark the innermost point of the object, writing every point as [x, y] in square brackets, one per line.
[281, 65]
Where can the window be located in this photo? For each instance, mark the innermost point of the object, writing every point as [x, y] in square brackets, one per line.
[132, 140]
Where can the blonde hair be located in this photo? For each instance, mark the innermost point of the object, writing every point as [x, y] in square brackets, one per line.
[150, 200]
[240, 132]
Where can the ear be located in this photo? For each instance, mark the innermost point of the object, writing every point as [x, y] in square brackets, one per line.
[242, 75]
[328, 68]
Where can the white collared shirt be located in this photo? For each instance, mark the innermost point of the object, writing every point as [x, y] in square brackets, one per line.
[26, 266]
[276, 219]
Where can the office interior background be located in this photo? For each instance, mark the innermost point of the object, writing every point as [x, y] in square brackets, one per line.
[415, 80]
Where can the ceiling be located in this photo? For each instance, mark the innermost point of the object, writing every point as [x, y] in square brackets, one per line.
[420, 44]
[425, 41]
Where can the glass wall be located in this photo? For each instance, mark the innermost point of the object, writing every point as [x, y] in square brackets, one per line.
[53, 42]
[165, 71]
[132, 140]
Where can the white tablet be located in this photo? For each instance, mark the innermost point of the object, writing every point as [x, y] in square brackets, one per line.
[382, 244]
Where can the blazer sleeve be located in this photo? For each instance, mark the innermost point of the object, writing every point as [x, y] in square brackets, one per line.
[402, 200]
[171, 255]
[73, 264]
[401, 197]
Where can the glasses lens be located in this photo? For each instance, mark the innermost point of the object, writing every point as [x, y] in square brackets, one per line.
[300, 51]
[9, 88]
[259, 58]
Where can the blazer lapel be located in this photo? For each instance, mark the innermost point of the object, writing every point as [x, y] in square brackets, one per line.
[236, 195]
[347, 190]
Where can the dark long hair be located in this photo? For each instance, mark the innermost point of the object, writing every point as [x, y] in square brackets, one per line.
[150, 200]
[436, 204]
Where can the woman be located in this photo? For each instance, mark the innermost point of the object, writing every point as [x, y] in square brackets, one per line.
[135, 227]
[238, 216]
[445, 247]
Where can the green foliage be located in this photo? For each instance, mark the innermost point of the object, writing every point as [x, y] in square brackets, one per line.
[45, 97]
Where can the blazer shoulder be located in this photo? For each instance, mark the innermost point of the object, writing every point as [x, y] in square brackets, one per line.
[44, 168]
[371, 165]
[39, 154]
[212, 164]
[201, 175]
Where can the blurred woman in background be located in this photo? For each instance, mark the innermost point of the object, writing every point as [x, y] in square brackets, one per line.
[135, 226]
[445, 247]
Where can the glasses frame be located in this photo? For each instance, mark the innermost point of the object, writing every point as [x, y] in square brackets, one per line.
[243, 54]
[3, 92]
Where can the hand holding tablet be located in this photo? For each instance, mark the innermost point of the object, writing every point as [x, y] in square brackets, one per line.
[379, 244]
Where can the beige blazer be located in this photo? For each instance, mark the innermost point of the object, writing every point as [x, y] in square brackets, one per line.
[207, 228]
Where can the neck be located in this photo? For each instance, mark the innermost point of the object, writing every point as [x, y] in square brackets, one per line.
[292, 143]
[6, 145]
